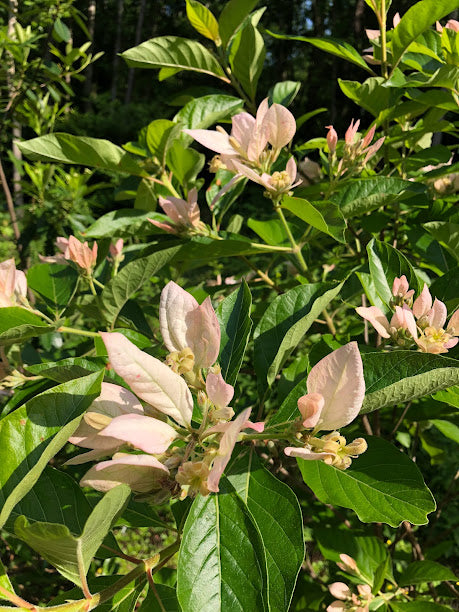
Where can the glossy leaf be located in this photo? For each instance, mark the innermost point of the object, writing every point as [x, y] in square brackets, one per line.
[70, 368]
[235, 324]
[185, 164]
[386, 263]
[446, 288]
[284, 92]
[159, 137]
[122, 223]
[288, 410]
[284, 324]
[277, 515]
[447, 234]
[382, 485]
[202, 20]
[31, 435]
[450, 430]
[130, 279]
[425, 571]
[201, 248]
[83, 150]
[401, 376]
[221, 563]
[414, 22]
[18, 324]
[247, 57]
[324, 216]
[176, 53]
[69, 554]
[54, 283]
[165, 598]
[203, 112]
[233, 14]
[372, 95]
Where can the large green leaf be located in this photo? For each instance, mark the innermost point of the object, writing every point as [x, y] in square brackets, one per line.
[83, 150]
[284, 92]
[372, 94]
[18, 324]
[159, 136]
[284, 324]
[54, 283]
[124, 223]
[447, 234]
[247, 57]
[233, 14]
[185, 164]
[70, 368]
[235, 325]
[72, 555]
[277, 515]
[324, 216]
[31, 435]
[446, 288]
[402, 376]
[203, 249]
[413, 23]
[386, 263]
[382, 485]
[221, 564]
[334, 46]
[425, 571]
[202, 20]
[176, 53]
[130, 279]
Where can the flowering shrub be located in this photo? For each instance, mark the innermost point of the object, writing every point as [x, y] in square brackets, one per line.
[241, 447]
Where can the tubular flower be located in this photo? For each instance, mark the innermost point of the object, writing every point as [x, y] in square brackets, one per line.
[336, 389]
[184, 215]
[13, 285]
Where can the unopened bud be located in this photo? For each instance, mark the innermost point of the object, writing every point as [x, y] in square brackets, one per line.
[347, 564]
[332, 138]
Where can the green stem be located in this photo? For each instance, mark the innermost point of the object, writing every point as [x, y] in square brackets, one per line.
[382, 28]
[93, 289]
[268, 247]
[167, 183]
[264, 436]
[73, 330]
[96, 282]
[295, 247]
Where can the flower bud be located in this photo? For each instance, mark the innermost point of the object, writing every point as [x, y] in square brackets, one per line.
[332, 138]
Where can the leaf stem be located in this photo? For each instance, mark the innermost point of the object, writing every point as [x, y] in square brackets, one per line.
[73, 330]
[18, 601]
[296, 250]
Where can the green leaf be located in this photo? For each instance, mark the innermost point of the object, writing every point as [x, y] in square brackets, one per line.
[418, 606]
[284, 323]
[203, 112]
[334, 46]
[68, 369]
[401, 376]
[123, 223]
[202, 20]
[202, 249]
[413, 23]
[386, 263]
[247, 57]
[324, 216]
[235, 324]
[275, 511]
[270, 231]
[54, 283]
[425, 571]
[18, 324]
[83, 150]
[450, 430]
[185, 164]
[31, 435]
[233, 14]
[446, 288]
[176, 53]
[130, 279]
[124, 600]
[447, 234]
[166, 595]
[159, 137]
[284, 92]
[61, 31]
[382, 485]
[4, 580]
[372, 95]
[370, 290]
[221, 564]
[72, 555]
[288, 410]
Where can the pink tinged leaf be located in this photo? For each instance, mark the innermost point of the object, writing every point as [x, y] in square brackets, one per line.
[143, 432]
[280, 126]
[310, 407]
[173, 207]
[437, 315]
[364, 590]
[117, 248]
[338, 377]
[63, 245]
[340, 590]
[451, 343]
[213, 140]
[149, 378]
[142, 473]
[368, 137]
[243, 126]
[372, 34]
[373, 149]
[396, 20]
[452, 24]
[174, 306]
[259, 426]
[20, 284]
[337, 606]
[249, 173]
[403, 319]
[305, 453]
[351, 131]
[423, 303]
[400, 286]
[453, 325]
[218, 391]
[377, 318]
[203, 334]
[225, 450]
[93, 455]
[7, 277]
[164, 226]
[227, 187]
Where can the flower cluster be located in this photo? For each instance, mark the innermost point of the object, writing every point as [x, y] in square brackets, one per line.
[336, 389]
[254, 146]
[165, 458]
[184, 216]
[420, 323]
[72, 249]
[347, 600]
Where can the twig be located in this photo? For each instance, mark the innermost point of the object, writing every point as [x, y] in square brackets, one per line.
[402, 416]
[10, 204]
[366, 425]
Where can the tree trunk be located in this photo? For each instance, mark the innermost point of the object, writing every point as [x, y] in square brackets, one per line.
[138, 38]
[116, 50]
[92, 6]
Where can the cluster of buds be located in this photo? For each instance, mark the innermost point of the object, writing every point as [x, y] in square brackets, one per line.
[451, 24]
[253, 147]
[13, 285]
[336, 389]
[183, 216]
[420, 323]
[356, 152]
[172, 457]
[72, 249]
[347, 600]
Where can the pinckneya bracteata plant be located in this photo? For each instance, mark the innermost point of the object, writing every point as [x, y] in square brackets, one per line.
[243, 420]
